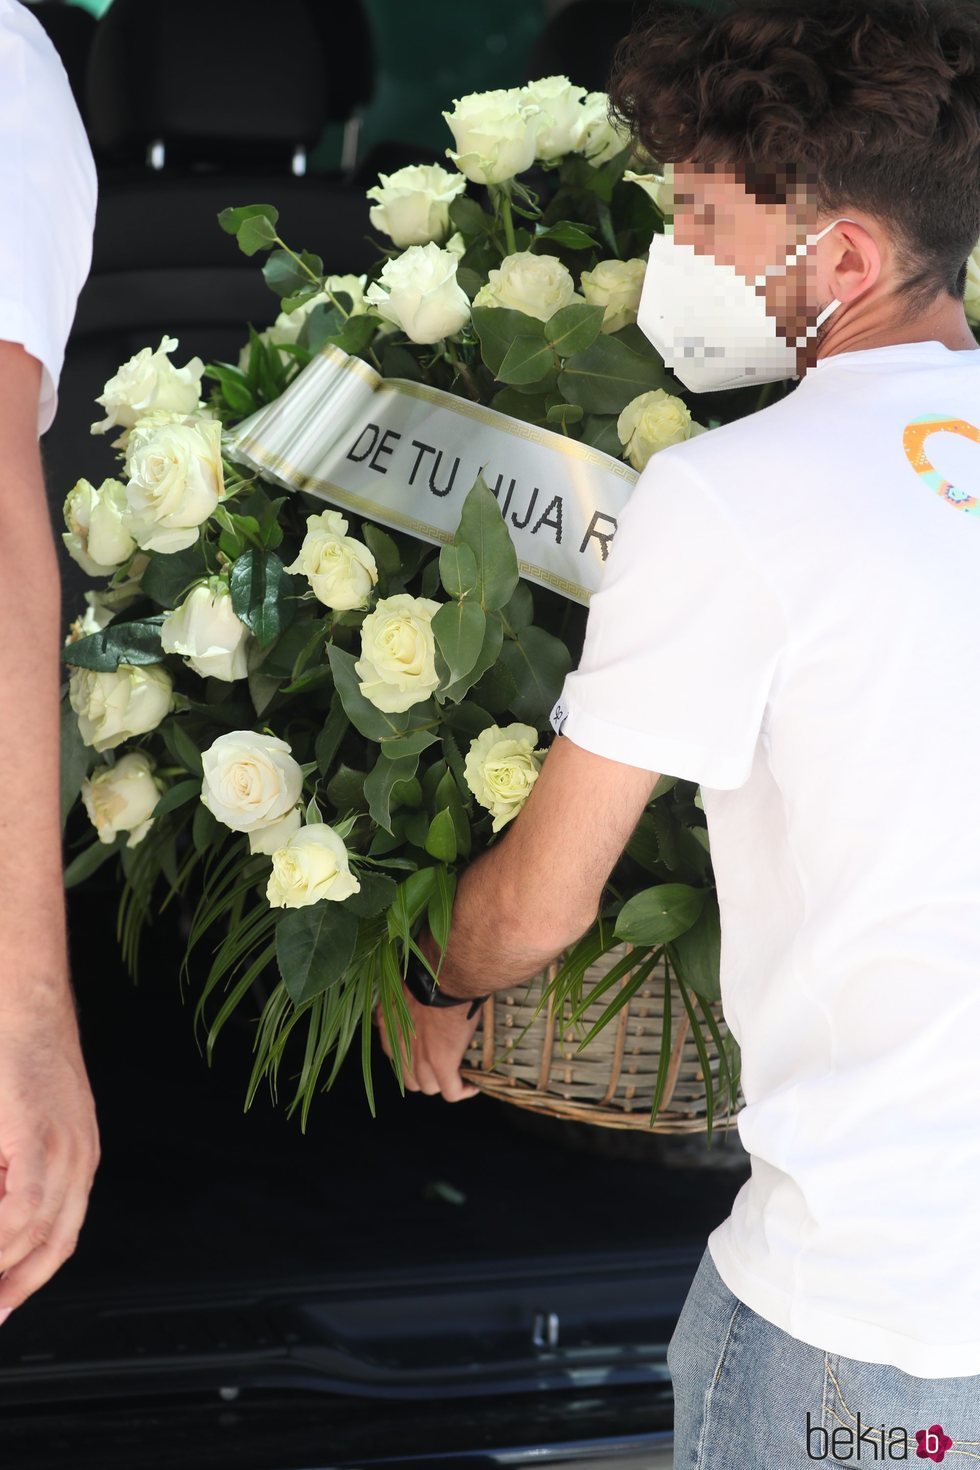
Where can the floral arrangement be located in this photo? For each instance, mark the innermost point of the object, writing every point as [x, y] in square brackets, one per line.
[299, 724]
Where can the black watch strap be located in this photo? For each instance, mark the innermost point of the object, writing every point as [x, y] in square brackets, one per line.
[425, 990]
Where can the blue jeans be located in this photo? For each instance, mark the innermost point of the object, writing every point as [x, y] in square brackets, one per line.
[747, 1396]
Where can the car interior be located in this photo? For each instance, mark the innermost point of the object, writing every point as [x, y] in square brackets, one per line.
[451, 1284]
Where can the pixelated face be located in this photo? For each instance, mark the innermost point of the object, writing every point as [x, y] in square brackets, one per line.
[716, 213]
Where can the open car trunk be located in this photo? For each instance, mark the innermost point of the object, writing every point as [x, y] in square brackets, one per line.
[462, 1280]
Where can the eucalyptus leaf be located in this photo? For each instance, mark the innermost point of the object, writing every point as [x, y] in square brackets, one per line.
[459, 629]
[538, 662]
[499, 327]
[574, 328]
[380, 783]
[609, 375]
[440, 839]
[457, 569]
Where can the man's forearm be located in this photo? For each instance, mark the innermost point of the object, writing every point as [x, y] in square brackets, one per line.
[495, 941]
[32, 904]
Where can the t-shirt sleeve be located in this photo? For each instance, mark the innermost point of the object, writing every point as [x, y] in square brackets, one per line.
[48, 195]
[682, 638]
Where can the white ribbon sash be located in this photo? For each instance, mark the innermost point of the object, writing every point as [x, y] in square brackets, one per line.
[405, 455]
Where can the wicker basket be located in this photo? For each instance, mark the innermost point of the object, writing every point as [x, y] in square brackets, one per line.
[611, 1082]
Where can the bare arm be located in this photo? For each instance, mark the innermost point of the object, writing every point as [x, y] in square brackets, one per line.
[32, 914]
[538, 888]
[49, 1143]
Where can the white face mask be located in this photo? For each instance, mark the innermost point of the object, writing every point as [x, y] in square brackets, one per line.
[708, 324]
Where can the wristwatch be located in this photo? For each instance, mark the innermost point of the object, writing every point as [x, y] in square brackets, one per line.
[425, 990]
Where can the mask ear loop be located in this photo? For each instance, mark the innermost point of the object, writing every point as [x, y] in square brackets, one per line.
[800, 250]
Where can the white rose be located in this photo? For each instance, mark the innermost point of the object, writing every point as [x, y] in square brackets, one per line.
[602, 138]
[277, 834]
[412, 204]
[495, 134]
[313, 864]
[340, 569]
[95, 617]
[418, 291]
[563, 119]
[250, 780]
[121, 798]
[207, 633]
[175, 480]
[616, 285]
[147, 381]
[501, 766]
[397, 667]
[538, 285]
[651, 422]
[660, 187]
[97, 538]
[971, 302]
[113, 705]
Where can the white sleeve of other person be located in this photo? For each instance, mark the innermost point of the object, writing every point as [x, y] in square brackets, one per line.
[48, 195]
[682, 638]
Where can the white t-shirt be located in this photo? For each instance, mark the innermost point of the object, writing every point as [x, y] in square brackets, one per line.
[48, 195]
[788, 615]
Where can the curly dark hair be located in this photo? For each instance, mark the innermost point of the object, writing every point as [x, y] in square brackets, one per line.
[867, 104]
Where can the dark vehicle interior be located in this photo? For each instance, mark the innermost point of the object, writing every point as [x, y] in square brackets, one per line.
[439, 1284]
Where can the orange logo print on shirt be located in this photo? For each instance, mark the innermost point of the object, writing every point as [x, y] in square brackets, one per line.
[913, 442]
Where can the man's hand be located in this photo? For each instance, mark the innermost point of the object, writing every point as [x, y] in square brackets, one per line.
[442, 1035]
[49, 1147]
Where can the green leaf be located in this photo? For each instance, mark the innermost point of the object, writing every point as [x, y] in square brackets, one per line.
[283, 273]
[440, 907]
[382, 548]
[489, 653]
[329, 738]
[457, 568]
[499, 327]
[76, 760]
[263, 594]
[374, 895]
[175, 796]
[235, 388]
[566, 232]
[168, 575]
[519, 611]
[127, 643]
[609, 375]
[564, 413]
[87, 862]
[411, 897]
[599, 432]
[363, 715]
[411, 742]
[532, 408]
[314, 947]
[321, 325]
[696, 953]
[256, 233]
[232, 218]
[345, 790]
[574, 328]
[182, 747]
[441, 837]
[466, 216]
[380, 782]
[483, 529]
[204, 829]
[531, 363]
[354, 334]
[459, 629]
[537, 662]
[660, 913]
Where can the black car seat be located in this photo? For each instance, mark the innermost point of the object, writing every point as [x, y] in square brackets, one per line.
[191, 107]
